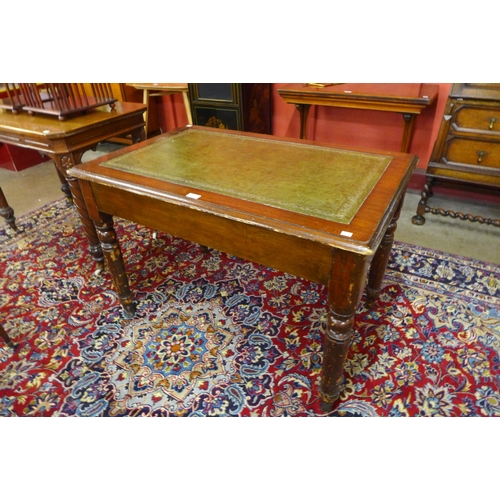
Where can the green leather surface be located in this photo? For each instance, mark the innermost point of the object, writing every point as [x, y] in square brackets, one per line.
[312, 180]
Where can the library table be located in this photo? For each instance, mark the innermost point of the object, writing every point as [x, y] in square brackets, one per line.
[409, 99]
[66, 141]
[306, 208]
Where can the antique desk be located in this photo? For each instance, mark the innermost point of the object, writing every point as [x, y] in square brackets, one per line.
[409, 99]
[305, 208]
[159, 89]
[66, 141]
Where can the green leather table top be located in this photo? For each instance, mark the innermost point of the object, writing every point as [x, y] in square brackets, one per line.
[323, 182]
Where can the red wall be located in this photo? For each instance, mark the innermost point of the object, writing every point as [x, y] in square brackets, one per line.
[16, 158]
[365, 128]
[171, 111]
[341, 126]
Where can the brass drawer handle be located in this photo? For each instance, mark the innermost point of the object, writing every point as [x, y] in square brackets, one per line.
[480, 155]
[492, 123]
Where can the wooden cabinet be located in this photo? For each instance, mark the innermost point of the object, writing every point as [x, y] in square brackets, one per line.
[467, 150]
[234, 106]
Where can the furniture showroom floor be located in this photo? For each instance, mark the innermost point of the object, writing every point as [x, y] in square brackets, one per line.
[31, 188]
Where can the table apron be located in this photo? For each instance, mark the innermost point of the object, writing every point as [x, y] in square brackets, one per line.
[302, 257]
[92, 136]
[394, 107]
[38, 143]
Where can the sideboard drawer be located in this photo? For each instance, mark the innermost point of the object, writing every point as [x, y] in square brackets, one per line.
[474, 119]
[469, 151]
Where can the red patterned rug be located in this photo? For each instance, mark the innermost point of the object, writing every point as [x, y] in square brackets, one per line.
[216, 335]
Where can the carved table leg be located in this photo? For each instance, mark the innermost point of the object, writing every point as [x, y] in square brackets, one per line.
[114, 262]
[380, 260]
[6, 338]
[63, 163]
[419, 219]
[7, 212]
[64, 185]
[344, 293]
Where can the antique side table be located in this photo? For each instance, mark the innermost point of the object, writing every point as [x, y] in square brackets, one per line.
[325, 214]
[409, 99]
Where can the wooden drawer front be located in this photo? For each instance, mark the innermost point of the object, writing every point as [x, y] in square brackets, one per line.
[468, 151]
[467, 176]
[472, 119]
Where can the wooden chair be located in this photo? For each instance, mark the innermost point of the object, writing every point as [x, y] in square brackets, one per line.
[6, 338]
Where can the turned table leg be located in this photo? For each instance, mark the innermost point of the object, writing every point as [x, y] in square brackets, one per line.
[380, 260]
[344, 293]
[7, 212]
[419, 219]
[64, 185]
[63, 163]
[71, 187]
[114, 262]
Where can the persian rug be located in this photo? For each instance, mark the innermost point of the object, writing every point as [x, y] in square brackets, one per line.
[215, 335]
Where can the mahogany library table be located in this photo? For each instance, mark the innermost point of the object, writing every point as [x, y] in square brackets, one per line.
[409, 99]
[65, 142]
[309, 209]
